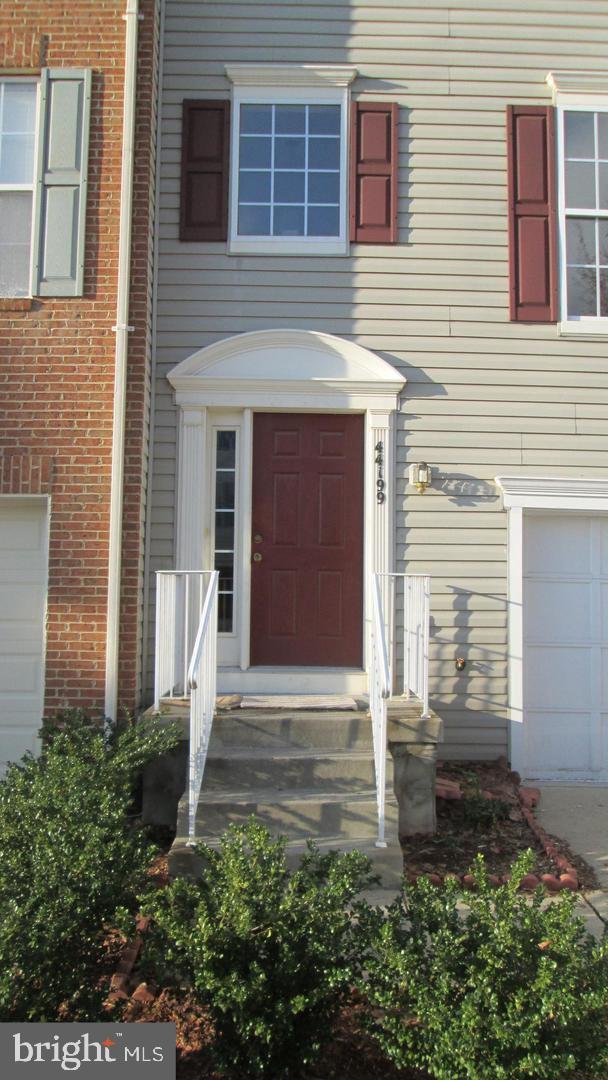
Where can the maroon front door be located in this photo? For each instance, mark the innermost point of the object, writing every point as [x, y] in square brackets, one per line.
[307, 541]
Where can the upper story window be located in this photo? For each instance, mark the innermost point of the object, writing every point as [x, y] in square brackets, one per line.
[18, 100]
[289, 165]
[44, 129]
[290, 175]
[289, 159]
[584, 212]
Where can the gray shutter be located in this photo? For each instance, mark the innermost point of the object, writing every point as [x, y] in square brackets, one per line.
[60, 192]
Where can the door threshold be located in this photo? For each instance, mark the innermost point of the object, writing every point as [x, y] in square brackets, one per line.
[298, 680]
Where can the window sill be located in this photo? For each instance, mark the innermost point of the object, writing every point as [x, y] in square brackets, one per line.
[260, 246]
[598, 329]
[16, 303]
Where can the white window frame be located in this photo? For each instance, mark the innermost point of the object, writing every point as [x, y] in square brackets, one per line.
[286, 84]
[33, 81]
[583, 324]
[227, 422]
[580, 91]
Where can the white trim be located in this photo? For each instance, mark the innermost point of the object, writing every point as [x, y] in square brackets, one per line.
[594, 329]
[282, 75]
[530, 493]
[34, 81]
[584, 325]
[286, 85]
[578, 83]
[554, 493]
[256, 371]
[120, 362]
[245, 495]
[228, 641]
[287, 369]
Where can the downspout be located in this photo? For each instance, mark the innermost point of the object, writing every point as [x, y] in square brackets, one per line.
[121, 330]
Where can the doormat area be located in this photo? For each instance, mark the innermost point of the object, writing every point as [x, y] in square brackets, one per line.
[298, 701]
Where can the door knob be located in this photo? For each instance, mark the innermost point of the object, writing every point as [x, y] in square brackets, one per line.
[257, 557]
[258, 539]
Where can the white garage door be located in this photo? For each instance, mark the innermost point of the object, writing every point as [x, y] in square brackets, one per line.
[565, 615]
[23, 577]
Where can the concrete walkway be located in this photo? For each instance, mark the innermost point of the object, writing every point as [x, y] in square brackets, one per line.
[578, 814]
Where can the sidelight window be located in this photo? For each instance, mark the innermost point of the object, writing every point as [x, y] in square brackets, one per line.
[225, 528]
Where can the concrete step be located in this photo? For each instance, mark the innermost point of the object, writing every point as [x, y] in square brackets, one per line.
[241, 769]
[387, 863]
[298, 815]
[283, 730]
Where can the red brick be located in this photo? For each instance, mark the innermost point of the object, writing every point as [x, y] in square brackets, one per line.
[57, 356]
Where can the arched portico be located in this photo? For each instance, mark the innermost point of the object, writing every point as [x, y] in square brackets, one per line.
[220, 390]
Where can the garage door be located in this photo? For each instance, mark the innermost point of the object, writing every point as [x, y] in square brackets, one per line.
[23, 575]
[565, 616]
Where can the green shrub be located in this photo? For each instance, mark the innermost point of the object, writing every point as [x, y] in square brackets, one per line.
[481, 813]
[269, 953]
[509, 989]
[69, 862]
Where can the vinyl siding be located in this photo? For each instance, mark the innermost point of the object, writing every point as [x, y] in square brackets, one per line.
[483, 395]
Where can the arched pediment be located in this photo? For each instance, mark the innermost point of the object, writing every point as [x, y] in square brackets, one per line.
[286, 369]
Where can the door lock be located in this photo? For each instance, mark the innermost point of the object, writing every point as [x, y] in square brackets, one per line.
[258, 539]
[257, 557]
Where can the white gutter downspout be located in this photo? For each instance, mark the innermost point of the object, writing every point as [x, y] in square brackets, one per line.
[121, 330]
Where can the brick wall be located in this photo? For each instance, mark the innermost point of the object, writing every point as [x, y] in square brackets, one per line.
[57, 355]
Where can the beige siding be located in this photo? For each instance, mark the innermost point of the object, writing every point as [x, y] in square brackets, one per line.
[483, 395]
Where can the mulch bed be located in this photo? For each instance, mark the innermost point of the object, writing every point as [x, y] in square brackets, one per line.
[459, 838]
[350, 1051]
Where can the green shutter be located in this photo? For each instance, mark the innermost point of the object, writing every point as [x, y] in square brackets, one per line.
[61, 182]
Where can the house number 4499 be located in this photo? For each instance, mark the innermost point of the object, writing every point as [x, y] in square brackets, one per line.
[379, 461]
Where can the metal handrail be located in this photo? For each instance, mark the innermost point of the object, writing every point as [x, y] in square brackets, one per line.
[379, 692]
[203, 663]
[179, 601]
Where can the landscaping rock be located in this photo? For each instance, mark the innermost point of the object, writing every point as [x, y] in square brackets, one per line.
[550, 882]
[530, 882]
[529, 796]
[569, 881]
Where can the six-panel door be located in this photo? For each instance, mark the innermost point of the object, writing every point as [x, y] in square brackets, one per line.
[307, 541]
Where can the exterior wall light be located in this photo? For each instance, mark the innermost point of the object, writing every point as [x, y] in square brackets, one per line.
[420, 475]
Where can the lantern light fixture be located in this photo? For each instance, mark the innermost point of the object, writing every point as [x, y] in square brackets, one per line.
[420, 475]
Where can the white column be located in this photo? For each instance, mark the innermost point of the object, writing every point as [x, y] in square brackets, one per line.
[515, 537]
[379, 515]
[191, 489]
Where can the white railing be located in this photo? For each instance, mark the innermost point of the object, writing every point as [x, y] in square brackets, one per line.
[180, 595]
[379, 691]
[202, 676]
[416, 629]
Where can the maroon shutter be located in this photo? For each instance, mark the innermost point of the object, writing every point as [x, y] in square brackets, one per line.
[373, 172]
[532, 213]
[204, 187]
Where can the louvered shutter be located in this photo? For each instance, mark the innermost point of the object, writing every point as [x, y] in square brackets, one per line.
[204, 182]
[373, 172]
[532, 213]
[60, 191]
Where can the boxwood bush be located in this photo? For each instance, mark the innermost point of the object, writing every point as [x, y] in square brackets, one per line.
[269, 953]
[504, 987]
[71, 863]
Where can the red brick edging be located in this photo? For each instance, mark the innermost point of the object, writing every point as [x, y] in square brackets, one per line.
[528, 799]
[568, 879]
[119, 984]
